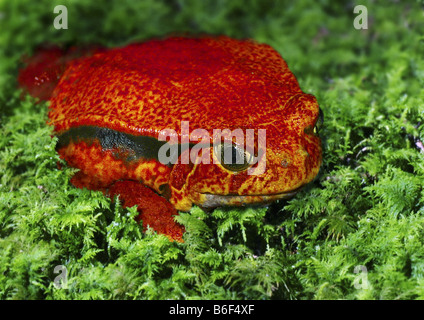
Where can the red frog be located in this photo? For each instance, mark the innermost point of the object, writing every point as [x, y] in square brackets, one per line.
[109, 107]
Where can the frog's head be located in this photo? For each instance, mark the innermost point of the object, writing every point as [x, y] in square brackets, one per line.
[285, 155]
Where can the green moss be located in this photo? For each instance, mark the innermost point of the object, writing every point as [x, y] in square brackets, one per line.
[364, 209]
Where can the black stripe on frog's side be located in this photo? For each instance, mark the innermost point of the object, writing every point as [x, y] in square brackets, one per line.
[127, 146]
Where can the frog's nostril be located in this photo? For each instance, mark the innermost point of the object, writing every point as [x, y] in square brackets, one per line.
[286, 159]
[285, 163]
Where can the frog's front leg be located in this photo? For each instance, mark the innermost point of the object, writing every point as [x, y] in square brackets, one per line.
[155, 211]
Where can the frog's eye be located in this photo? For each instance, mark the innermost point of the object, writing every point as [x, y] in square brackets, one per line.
[233, 157]
[318, 125]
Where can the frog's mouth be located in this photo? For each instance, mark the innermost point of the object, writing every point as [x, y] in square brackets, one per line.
[217, 200]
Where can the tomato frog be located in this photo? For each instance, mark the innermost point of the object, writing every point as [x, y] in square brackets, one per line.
[109, 107]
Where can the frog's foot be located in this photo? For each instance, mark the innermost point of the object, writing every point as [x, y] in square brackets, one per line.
[155, 211]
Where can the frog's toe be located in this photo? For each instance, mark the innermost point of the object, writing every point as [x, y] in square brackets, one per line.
[155, 211]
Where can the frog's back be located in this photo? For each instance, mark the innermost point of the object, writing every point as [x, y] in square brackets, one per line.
[143, 88]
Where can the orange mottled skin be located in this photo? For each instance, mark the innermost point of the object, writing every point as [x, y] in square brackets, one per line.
[212, 82]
